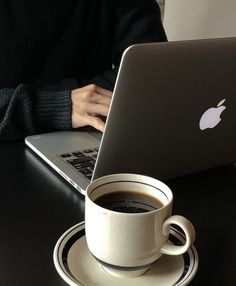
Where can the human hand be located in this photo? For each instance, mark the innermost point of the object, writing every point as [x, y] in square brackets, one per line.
[89, 104]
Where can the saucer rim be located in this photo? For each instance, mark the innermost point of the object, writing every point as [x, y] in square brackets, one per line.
[70, 280]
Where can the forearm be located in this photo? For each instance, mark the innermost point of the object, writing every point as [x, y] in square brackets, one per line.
[26, 110]
[16, 118]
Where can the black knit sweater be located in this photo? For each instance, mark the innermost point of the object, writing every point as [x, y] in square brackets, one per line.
[48, 48]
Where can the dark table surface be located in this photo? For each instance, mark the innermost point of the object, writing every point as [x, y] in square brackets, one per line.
[37, 206]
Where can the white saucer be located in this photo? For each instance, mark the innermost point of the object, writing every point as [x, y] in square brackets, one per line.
[77, 266]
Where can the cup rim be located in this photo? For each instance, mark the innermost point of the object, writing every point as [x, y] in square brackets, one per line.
[128, 177]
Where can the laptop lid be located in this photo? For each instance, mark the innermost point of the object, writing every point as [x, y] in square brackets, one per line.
[166, 97]
[173, 110]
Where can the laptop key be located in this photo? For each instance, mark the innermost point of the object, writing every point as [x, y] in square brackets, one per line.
[78, 154]
[79, 160]
[88, 177]
[83, 172]
[66, 155]
[88, 151]
[83, 165]
[90, 169]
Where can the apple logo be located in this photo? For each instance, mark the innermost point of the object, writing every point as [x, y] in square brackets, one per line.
[211, 117]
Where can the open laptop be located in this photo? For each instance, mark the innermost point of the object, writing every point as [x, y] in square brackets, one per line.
[173, 112]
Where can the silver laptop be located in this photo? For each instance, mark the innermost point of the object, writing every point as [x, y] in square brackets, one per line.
[173, 113]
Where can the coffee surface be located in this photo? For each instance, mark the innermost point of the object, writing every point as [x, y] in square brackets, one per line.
[128, 202]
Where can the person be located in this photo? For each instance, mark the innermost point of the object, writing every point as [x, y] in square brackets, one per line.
[59, 60]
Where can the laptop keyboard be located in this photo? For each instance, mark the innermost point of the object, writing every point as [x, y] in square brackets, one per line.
[83, 161]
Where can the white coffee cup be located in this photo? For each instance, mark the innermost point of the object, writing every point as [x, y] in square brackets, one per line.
[130, 243]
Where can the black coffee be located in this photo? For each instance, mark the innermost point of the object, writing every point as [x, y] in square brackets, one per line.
[128, 202]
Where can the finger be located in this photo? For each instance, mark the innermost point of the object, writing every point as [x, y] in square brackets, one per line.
[99, 89]
[97, 123]
[97, 109]
[101, 99]
[94, 97]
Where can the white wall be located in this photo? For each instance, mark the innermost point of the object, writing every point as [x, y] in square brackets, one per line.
[194, 19]
[162, 4]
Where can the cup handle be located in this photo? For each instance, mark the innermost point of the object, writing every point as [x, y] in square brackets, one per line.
[189, 231]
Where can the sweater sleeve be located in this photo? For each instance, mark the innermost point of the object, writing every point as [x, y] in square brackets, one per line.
[26, 110]
[135, 21]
